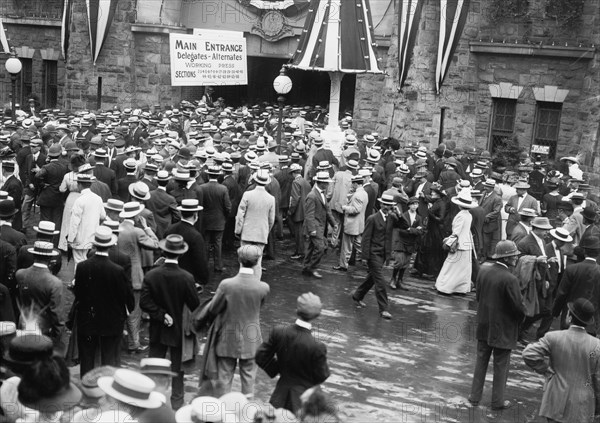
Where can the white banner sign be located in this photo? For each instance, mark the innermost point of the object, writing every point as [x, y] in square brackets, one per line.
[208, 60]
[540, 149]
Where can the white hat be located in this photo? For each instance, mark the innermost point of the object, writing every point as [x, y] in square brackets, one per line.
[464, 199]
[132, 388]
[131, 209]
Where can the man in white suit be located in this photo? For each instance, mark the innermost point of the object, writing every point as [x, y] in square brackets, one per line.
[354, 222]
[88, 211]
[256, 215]
[516, 203]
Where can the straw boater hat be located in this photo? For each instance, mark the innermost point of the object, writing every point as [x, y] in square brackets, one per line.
[561, 235]
[46, 228]
[190, 205]
[521, 185]
[322, 177]
[464, 199]
[261, 177]
[541, 223]
[387, 199]
[156, 366]
[131, 209]
[114, 204]
[233, 407]
[173, 244]
[132, 388]
[43, 248]
[139, 190]
[525, 211]
[104, 237]
[89, 382]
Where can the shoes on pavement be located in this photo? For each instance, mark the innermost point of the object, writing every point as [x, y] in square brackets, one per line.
[393, 285]
[340, 268]
[312, 274]
[385, 315]
[473, 403]
[358, 303]
[403, 287]
[317, 275]
[296, 256]
[506, 404]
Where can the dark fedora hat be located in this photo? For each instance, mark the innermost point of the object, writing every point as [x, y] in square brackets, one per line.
[582, 309]
[590, 243]
[589, 213]
[7, 208]
[173, 244]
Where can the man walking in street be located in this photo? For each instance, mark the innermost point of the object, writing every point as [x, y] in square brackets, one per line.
[569, 360]
[500, 310]
[236, 307]
[166, 290]
[316, 216]
[300, 189]
[256, 216]
[375, 240]
[293, 353]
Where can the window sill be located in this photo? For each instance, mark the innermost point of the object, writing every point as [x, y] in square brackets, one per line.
[532, 50]
[35, 21]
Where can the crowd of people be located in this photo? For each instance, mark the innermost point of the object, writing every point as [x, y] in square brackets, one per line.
[144, 200]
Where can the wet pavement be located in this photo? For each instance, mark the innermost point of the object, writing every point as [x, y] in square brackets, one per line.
[417, 367]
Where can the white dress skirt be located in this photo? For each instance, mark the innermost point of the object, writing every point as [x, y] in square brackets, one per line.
[455, 276]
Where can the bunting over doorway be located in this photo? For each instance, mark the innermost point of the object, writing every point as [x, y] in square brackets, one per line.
[409, 16]
[453, 17]
[100, 16]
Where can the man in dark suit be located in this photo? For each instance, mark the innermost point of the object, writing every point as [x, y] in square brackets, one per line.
[293, 353]
[194, 259]
[162, 204]
[165, 292]
[103, 294]
[45, 231]
[580, 280]
[316, 216]
[533, 244]
[491, 203]
[590, 228]
[237, 302]
[372, 189]
[299, 192]
[214, 198]
[235, 195]
[49, 178]
[375, 239]
[103, 173]
[518, 202]
[406, 232]
[14, 188]
[130, 177]
[115, 254]
[322, 154]
[500, 310]
[7, 233]
[8, 267]
[42, 291]
[32, 164]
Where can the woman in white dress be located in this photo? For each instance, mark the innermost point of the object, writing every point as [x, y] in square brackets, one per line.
[455, 276]
[69, 184]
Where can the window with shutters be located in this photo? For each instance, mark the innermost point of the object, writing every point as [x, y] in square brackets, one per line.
[503, 121]
[50, 85]
[547, 126]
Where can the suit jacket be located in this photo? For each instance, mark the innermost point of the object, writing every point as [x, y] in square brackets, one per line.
[25, 170]
[123, 186]
[49, 178]
[103, 293]
[519, 232]
[8, 266]
[42, 291]
[234, 192]
[299, 359]
[166, 290]
[478, 215]
[579, 280]
[405, 235]
[108, 176]
[118, 257]
[317, 214]
[255, 216]
[238, 301]
[374, 236]
[354, 212]
[164, 209]
[150, 183]
[571, 357]
[492, 205]
[214, 197]
[342, 183]
[12, 236]
[131, 241]
[285, 179]
[300, 189]
[14, 187]
[500, 307]
[529, 246]
[513, 216]
[372, 190]
[21, 159]
[194, 260]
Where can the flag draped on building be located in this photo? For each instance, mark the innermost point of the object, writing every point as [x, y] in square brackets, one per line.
[100, 16]
[452, 22]
[65, 30]
[337, 37]
[409, 16]
[3, 40]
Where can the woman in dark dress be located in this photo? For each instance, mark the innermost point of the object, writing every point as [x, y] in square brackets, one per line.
[550, 202]
[430, 257]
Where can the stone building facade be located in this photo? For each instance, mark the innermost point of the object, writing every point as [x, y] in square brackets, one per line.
[525, 75]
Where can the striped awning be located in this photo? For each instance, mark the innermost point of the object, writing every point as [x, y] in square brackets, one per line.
[3, 40]
[337, 37]
[452, 22]
[409, 16]
[100, 16]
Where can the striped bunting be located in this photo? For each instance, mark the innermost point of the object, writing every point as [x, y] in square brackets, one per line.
[409, 16]
[452, 22]
[337, 37]
[65, 30]
[3, 40]
[100, 16]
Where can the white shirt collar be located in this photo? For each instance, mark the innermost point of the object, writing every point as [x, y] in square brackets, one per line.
[303, 324]
[5, 223]
[102, 253]
[187, 221]
[591, 259]
[246, 271]
[172, 261]
[383, 215]
[501, 264]
[40, 265]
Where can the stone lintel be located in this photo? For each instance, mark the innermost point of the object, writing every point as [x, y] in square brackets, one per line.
[158, 29]
[532, 50]
[32, 21]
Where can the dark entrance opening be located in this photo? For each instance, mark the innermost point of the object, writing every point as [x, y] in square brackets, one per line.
[309, 88]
